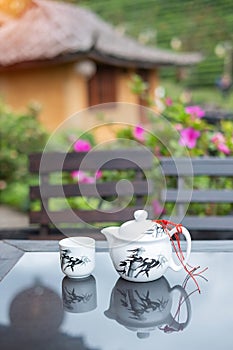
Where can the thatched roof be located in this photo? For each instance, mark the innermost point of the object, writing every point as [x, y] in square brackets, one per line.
[51, 30]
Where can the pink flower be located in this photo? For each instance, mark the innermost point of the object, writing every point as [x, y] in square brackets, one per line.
[82, 146]
[218, 138]
[188, 137]
[83, 177]
[223, 148]
[168, 101]
[178, 127]
[157, 152]
[139, 133]
[157, 208]
[98, 174]
[3, 185]
[195, 111]
[79, 175]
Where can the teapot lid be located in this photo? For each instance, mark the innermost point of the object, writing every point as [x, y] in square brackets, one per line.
[139, 226]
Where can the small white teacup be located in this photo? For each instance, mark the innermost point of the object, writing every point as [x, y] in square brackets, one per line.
[77, 256]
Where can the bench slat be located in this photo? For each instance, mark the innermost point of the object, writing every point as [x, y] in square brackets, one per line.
[214, 223]
[106, 160]
[198, 166]
[105, 189]
[197, 196]
[79, 216]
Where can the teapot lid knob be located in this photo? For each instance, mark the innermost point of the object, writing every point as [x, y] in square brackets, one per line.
[140, 215]
[134, 228]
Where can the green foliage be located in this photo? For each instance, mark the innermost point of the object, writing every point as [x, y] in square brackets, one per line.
[16, 195]
[210, 140]
[20, 134]
[205, 96]
[180, 121]
[138, 86]
[199, 26]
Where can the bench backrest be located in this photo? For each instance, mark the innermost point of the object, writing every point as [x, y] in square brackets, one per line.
[215, 169]
[132, 161]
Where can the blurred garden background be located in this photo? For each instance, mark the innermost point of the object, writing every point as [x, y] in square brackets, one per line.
[203, 26]
[51, 66]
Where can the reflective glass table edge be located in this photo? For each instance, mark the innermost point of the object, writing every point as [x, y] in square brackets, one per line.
[12, 250]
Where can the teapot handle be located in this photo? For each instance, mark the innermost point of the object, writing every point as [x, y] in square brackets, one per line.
[185, 232]
[172, 324]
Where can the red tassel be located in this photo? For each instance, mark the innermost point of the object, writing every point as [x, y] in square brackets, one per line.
[167, 226]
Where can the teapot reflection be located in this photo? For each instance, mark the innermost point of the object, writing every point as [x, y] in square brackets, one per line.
[79, 295]
[143, 307]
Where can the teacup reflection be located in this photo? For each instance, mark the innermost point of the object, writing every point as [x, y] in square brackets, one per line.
[79, 295]
[143, 307]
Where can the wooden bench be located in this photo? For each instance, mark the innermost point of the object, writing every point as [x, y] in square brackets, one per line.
[54, 222]
[201, 227]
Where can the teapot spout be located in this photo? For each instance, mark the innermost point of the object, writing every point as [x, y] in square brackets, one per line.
[111, 234]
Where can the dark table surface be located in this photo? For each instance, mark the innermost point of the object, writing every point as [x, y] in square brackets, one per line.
[42, 309]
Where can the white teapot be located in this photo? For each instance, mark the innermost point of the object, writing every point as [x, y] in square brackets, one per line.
[141, 249]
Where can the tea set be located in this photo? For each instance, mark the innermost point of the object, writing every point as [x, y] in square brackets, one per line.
[140, 250]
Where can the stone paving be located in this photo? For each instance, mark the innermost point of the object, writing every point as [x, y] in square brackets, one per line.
[12, 218]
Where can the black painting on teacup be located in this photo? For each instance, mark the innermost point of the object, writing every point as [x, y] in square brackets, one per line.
[71, 298]
[68, 261]
[136, 265]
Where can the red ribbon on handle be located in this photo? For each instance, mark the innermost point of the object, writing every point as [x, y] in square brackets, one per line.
[167, 226]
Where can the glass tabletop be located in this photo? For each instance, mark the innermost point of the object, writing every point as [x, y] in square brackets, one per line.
[40, 308]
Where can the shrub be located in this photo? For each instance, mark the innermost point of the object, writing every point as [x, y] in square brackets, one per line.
[20, 134]
[178, 130]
